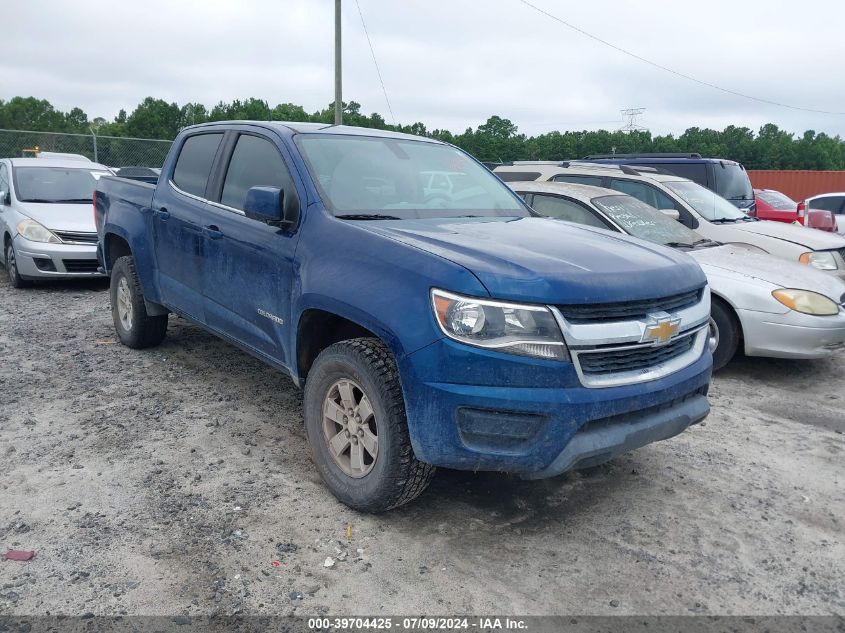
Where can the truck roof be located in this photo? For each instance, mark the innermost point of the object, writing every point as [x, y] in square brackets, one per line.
[298, 127]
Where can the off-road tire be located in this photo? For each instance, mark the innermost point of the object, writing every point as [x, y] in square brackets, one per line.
[729, 333]
[397, 476]
[144, 330]
[11, 268]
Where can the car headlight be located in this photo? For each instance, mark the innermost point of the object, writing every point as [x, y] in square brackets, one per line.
[806, 302]
[823, 260]
[527, 330]
[31, 230]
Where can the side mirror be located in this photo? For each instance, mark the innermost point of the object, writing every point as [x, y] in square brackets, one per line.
[271, 206]
[5, 198]
[672, 213]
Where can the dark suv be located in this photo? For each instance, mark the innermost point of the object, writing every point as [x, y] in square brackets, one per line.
[726, 177]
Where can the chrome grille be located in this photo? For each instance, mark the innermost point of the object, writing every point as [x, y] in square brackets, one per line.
[628, 309]
[76, 237]
[634, 358]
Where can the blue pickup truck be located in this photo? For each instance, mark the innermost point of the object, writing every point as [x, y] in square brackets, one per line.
[431, 317]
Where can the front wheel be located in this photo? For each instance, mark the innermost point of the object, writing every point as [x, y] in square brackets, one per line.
[11, 264]
[134, 327]
[724, 334]
[356, 427]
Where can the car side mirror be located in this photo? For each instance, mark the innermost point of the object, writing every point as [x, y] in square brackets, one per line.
[271, 206]
[672, 213]
[5, 198]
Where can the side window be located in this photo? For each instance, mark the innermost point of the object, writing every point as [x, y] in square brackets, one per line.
[697, 172]
[644, 193]
[194, 163]
[564, 209]
[4, 179]
[255, 162]
[595, 181]
[829, 203]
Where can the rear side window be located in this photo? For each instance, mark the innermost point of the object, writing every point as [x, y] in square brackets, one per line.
[595, 181]
[828, 203]
[564, 209]
[194, 163]
[256, 162]
[697, 172]
[517, 176]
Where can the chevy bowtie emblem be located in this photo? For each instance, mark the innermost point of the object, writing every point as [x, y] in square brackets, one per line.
[662, 331]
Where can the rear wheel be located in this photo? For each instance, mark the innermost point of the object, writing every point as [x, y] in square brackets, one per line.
[11, 263]
[357, 429]
[134, 327]
[724, 333]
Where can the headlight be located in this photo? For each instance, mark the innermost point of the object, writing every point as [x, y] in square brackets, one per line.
[806, 302]
[526, 330]
[31, 230]
[823, 260]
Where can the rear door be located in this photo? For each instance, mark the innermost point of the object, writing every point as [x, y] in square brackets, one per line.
[250, 271]
[178, 219]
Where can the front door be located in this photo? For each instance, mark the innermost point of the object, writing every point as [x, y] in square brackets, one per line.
[250, 268]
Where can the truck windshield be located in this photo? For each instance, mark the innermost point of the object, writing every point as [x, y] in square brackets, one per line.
[55, 184]
[732, 182]
[643, 221]
[709, 205]
[388, 178]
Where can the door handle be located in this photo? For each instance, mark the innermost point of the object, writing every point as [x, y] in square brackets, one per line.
[213, 232]
[163, 213]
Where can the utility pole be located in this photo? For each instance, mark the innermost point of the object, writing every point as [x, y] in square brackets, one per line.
[338, 68]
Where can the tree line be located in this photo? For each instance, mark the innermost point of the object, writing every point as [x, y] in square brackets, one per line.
[498, 139]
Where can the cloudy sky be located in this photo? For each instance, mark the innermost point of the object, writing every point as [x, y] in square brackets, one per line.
[448, 63]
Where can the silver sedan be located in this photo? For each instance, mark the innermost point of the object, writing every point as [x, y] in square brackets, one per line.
[770, 306]
[46, 218]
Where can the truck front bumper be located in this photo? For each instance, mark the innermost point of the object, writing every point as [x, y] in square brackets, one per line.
[42, 260]
[533, 417]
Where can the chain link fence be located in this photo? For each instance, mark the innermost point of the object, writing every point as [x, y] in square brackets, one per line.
[113, 151]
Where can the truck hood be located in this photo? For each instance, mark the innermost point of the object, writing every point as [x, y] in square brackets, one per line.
[742, 263]
[61, 217]
[810, 238]
[544, 260]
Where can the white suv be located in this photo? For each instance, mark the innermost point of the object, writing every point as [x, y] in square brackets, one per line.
[697, 208]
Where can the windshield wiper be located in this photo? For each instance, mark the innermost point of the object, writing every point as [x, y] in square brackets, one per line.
[366, 216]
[678, 244]
[74, 200]
[723, 220]
[40, 200]
[705, 242]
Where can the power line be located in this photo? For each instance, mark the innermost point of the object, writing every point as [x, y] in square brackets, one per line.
[670, 70]
[373, 53]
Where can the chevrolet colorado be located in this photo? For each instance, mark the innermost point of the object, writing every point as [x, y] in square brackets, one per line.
[432, 318]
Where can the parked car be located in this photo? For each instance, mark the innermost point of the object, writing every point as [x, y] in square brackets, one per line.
[449, 332]
[697, 208]
[727, 178]
[45, 218]
[777, 207]
[833, 202]
[771, 307]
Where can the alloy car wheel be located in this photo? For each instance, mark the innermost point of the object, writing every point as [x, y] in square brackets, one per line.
[350, 428]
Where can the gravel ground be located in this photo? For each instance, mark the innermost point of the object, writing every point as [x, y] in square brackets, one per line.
[177, 481]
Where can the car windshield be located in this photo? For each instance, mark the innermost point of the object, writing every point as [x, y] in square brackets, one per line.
[708, 204]
[388, 178]
[56, 184]
[732, 182]
[643, 221]
[777, 200]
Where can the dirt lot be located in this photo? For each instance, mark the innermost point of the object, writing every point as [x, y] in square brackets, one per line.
[177, 481]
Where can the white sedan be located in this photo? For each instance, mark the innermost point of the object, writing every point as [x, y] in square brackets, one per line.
[773, 307]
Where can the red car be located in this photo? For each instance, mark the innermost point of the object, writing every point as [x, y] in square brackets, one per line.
[775, 206]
